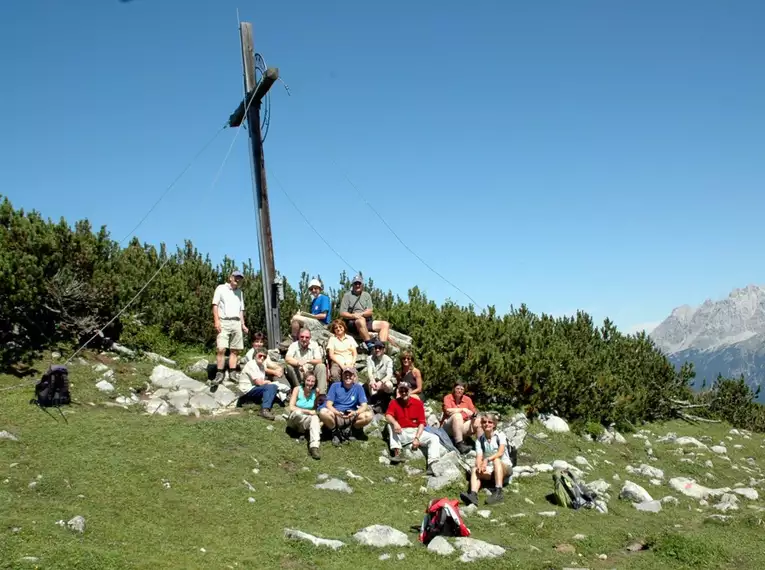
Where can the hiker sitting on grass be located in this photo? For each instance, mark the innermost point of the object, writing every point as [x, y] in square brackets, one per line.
[406, 425]
[303, 415]
[346, 408]
[492, 461]
[255, 387]
[460, 418]
[381, 383]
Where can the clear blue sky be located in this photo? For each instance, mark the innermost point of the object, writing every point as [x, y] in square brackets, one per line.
[600, 155]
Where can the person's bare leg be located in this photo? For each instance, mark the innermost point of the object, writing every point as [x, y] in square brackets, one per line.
[499, 473]
[220, 358]
[233, 359]
[295, 328]
[457, 427]
[361, 327]
[382, 328]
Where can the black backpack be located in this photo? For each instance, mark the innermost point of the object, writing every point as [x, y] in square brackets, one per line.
[53, 389]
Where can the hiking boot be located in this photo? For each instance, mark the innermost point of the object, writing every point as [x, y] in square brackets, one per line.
[348, 434]
[469, 498]
[495, 497]
[395, 456]
[429, 472]
[233, 376]
[337, 439]
[218, 379]
[463, 447]
[267, 414]
[314, 452]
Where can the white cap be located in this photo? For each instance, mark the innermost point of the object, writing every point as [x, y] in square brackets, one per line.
[314, 283]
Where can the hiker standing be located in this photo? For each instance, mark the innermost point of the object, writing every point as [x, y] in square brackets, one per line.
[228, 317]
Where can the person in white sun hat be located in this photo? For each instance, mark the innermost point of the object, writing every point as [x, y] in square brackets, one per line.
[321, 308]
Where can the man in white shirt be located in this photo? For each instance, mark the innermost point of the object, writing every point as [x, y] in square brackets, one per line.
[255, 387]
[304, 356]
[228, 316]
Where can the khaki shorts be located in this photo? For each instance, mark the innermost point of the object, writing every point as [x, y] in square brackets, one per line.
[230, 335]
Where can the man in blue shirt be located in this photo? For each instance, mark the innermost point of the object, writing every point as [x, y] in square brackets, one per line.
[345, 408]
[321, 308]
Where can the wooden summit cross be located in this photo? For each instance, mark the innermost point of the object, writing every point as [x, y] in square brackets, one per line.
[249, 110]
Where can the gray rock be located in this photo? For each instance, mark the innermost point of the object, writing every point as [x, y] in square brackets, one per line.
[685, 440]
[599, 486]
[315, 540]
[648, 506]
[441, 546]
[77, 524]
[646, 471]
[154, 357]
[718, 449]
[335, 485]
[542, 467]
[100, 367]
[409, 470]
[747, 493]
[728, 502]
[670, 500]
[469, 510]
[634, 493]
[6, 435]
[157, 406]
[516, 430]
[203, 401]
[381, 536]
[548, 513]
[199, 367]
[473, 549]
[554, 423]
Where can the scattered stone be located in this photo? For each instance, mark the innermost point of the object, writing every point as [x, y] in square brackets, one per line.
[703, 503]
[383, 460]
[637, 546]
[670, 500]
[634, 493]
[554, 423]
[315, 540]
[32, 485]
[381, 536]
[646, 471]
[689, 441]
[517, 515]
[529, 501]
[648, 506]
[199, 366]
[690, 488]
[708, 463]
[548, 513]
[579, 537]
[721, 518]
[409, 470]
[390, 480]
[602, 557]
[579, 460]
[100, 367]
[351, 475]
[77, 524]
[8, 436]
[747, 493]
[30, 559]
[400, 555]
[565, 548]
[719, 449]
[105, 386]
[542, 468]
[441, 546]
[251, 499]
[473, 549]
[384, 556]
[523, 471]
[335, 485]
[485, 513]
[469, 510]
[728, 502]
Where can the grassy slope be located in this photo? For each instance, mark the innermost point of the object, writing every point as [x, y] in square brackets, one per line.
[117, 459]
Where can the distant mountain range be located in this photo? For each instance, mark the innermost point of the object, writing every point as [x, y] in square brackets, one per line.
[725, 337]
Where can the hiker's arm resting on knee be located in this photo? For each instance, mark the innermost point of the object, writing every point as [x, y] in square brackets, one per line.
[331, 408]
[394, 425]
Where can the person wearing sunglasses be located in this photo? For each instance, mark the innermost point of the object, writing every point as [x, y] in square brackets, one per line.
[345, 409]
[303, 416]
[410, 374]
[460, 418]
[255, 387]
[492, 462]
[406, 425]
[379, 371]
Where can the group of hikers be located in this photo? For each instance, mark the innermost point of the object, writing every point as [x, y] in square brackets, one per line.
[324, 392]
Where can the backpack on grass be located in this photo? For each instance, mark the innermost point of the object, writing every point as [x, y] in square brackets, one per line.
[53, 389]
[570, 493]
[442, 518]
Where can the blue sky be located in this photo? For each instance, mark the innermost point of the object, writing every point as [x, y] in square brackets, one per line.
[599, 155]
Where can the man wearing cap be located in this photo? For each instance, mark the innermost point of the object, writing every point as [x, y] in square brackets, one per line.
[228, 317]
[406, 425]
[321, 308]
[345, 408]
[380, 373]
[356, 310]
[304, 356]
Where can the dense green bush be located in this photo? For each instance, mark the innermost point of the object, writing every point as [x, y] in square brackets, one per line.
[60, 284]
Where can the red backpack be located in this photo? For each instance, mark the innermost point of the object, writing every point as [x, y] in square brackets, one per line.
[442, 518]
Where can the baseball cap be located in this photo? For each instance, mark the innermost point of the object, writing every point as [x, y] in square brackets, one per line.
[357, 279]
[403, 387]
[350, 369]
[377, 342]
[314, 283]
[237, 273]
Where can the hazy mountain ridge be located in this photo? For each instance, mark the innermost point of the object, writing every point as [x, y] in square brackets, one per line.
[725, 337]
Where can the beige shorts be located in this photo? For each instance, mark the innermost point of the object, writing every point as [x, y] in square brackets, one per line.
[230, 335]
[508, 467]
